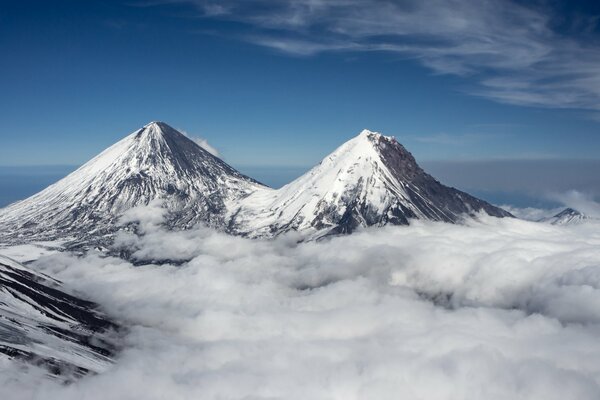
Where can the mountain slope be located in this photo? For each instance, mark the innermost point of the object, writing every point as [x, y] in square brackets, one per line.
[155, 162]
[41, 324]
[369, 180]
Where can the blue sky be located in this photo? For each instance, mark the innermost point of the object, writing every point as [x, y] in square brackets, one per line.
[283, 83]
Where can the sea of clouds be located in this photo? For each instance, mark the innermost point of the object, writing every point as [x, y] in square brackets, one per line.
[495, 309]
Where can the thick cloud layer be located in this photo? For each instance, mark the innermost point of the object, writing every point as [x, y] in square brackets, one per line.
[502, 309]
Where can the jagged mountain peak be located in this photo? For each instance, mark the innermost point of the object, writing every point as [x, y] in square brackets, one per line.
[366, 145]
[368, 133]
[369, 180]
[370, 153]
[371, 140]
[154, 129]
[368, 139]
[374, 137]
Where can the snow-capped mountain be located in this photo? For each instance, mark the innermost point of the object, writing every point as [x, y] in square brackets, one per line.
[155, 162]
[369, 180]
[41, 324]
[567, 216]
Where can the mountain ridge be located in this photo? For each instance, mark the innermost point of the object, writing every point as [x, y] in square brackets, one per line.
[42, 324]
[369, 180]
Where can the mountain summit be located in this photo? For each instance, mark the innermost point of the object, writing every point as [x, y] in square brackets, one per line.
[155, 162]
[369, 180]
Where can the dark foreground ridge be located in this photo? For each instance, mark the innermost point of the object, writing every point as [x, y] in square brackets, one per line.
[42, 325]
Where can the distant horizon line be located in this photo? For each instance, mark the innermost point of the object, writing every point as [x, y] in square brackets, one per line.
[428, 161]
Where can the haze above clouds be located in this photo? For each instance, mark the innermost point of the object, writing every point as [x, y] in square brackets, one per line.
[498, 309]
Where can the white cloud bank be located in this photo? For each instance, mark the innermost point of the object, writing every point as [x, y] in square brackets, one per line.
[503, 309]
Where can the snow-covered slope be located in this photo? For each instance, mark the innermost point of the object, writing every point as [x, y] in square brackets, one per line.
[567, 216]
[369, 180]
[155, 162]
[41, 324]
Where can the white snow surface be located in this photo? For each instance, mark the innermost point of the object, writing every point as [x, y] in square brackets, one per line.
[155, 162]
[325, 185]
[369, 180]
[354, 175]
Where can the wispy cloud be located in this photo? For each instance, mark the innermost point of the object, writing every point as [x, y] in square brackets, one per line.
[200, 141]
[514, 52]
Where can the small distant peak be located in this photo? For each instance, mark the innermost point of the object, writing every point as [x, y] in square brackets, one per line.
[569, 211]
[567, 216]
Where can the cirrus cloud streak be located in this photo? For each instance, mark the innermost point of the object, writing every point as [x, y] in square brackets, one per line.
[518, 53]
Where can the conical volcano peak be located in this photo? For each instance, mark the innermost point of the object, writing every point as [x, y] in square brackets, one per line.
[369, 137]
[157, 129]
[153, 124]
[159, 140]
[155, 162]
[160, 125]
